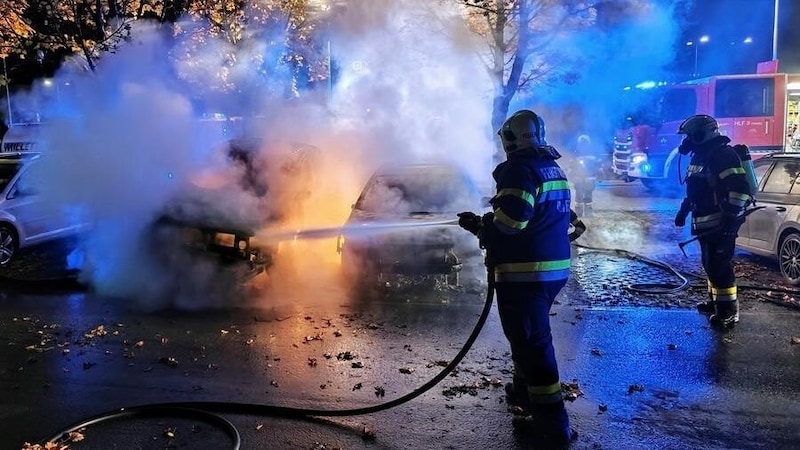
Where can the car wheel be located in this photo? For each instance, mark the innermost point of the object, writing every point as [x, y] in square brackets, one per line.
[789, 258]
[9, 244]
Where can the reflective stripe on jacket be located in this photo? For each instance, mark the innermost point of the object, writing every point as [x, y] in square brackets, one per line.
[531, 217]
[716, 185]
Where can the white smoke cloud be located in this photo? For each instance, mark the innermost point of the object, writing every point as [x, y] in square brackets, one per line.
[417, 83]
[410, 89]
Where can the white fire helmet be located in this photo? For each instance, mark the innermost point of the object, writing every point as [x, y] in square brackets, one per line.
[699, 128]
[523, 131]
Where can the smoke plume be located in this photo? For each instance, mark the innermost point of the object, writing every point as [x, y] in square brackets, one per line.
[144, 130]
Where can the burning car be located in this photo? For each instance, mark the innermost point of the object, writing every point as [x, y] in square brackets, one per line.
[218, 223]
[403, 224]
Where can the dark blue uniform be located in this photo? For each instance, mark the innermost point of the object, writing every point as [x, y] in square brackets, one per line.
[717, 191]
[531, 252]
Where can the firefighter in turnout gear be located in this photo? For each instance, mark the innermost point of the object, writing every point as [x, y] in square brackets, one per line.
[583, 174]
[717, 191]
[530, 251]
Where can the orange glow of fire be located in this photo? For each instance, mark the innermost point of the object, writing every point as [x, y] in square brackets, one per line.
[309, 270]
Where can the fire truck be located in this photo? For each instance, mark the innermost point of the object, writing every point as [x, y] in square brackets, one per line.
[758, 110]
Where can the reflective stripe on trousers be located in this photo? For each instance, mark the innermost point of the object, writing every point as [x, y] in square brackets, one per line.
[717, 258]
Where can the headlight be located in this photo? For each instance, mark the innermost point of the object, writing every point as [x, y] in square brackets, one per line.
[638, 159]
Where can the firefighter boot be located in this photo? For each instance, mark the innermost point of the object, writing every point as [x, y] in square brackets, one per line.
[517, 393]
[550, 425]
[726, 314]
[707, 307]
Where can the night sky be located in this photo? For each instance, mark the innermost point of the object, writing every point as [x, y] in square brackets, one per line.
[728, 23]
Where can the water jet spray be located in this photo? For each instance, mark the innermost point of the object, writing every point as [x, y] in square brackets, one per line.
[364, 229]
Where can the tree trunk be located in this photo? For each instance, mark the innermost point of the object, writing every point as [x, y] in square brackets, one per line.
[499, 114]
[100, 21]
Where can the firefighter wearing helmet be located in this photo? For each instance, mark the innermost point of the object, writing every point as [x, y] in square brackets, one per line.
[583, 174]
[527, 243]
[717, 191]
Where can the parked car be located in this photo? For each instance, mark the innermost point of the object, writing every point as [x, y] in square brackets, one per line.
[180, 238]
[218, 225]
[403, 224]
[26, 218]
[774, 231]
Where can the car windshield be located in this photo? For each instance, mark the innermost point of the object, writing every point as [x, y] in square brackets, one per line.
[7, 171]
[419, 190]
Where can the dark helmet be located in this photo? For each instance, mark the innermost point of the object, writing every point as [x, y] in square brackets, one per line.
[699, 128]
[523, 131]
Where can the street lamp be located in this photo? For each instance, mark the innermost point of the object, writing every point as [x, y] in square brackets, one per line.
[775, 32]
[701, 40]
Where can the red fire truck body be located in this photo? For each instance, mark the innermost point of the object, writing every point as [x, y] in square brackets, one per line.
[758, 110]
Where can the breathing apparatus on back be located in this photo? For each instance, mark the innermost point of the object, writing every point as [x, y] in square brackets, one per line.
[747, 164]
[524, 134]
[700, 129]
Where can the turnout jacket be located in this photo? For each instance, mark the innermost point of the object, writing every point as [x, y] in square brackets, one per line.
[716, 186]
[529, 233]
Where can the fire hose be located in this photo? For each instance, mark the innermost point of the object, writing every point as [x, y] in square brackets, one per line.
[209, 411]
[670, 288]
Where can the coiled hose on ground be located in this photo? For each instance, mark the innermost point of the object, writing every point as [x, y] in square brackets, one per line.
[684, 277]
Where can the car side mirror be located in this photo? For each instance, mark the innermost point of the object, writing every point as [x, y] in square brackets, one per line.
[23, 192]
[15, 193]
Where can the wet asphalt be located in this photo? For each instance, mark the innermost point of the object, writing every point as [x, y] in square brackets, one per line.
[642, 370]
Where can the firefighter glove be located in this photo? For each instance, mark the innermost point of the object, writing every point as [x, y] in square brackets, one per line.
[680, 219]
[683, 212]
[470, 222]
[487, 220]
[485, 233]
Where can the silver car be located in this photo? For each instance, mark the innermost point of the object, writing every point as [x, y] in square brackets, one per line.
[26, 218]
[774, 231]
[403, 224]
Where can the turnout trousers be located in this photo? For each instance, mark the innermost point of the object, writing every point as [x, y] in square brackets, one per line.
[717, 258]
[524, 310]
